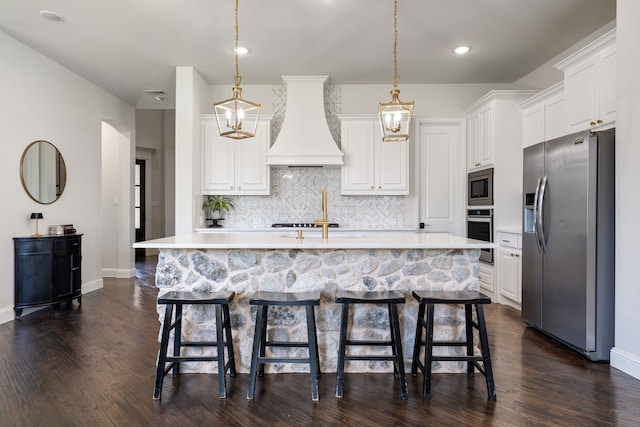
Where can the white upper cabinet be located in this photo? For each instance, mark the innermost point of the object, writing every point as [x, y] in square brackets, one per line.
[590, 84]
[234, 167]
[543, 116]
[480, 136]
[372, 166]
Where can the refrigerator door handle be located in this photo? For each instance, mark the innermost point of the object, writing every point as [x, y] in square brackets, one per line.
[540, 221]
[535, 214]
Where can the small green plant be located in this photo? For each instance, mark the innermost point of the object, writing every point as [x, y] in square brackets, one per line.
[220, 204]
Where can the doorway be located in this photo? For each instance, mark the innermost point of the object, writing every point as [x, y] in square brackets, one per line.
[140, 205]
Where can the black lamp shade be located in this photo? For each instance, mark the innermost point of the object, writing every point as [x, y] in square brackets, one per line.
[36, 215]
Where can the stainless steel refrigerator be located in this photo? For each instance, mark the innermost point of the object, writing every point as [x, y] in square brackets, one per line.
[568, 241]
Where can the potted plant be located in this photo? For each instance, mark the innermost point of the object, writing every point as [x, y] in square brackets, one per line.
[215, 206]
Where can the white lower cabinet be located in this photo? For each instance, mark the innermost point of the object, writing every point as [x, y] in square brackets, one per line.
[486, 279]
[509, 268]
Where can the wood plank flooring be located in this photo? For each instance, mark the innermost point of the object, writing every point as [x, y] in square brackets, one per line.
[94, 364]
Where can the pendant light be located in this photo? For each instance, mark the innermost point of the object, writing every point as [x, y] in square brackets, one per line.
[237, 118]
[395, 116]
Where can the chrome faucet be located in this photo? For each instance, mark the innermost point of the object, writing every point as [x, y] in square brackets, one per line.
[324, 222]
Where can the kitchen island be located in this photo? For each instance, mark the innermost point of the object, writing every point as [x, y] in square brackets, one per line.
[250, 262]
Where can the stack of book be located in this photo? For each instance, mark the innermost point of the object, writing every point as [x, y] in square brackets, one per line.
[61, 230]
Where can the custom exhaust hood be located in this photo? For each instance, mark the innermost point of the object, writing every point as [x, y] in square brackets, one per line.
[305, 139]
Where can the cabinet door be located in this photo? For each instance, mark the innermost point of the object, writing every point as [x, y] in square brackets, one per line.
[66, 267]
[555, 118]
[441, 191]
[509, 271]
[581, 95]
[607, 107]
[219, 160]
[486, 277]
[392, 171]
[252, 171]
[473, 141]
[358, 146]
[33, 272]
[533, 125]
[486, 133]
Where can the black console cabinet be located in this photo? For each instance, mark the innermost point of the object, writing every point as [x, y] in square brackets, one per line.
[47, 270]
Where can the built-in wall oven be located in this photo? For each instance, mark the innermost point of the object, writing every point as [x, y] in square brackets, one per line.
[480, 227]
[480, 188]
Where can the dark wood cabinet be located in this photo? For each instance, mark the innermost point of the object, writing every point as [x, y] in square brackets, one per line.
[47, 270]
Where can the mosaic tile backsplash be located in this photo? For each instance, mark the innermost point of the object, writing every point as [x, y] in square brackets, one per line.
[296, 196]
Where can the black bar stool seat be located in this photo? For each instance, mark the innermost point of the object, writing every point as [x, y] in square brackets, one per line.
[220, 300]
[260, 341]
[391, 299]
[470, 300]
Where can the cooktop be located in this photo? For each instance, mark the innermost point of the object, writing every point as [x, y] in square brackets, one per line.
[300, 225]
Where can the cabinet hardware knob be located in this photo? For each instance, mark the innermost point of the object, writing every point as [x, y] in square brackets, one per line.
[592, 123]
[599, 121]
[372, 187]
[231, 187]
[379, 187]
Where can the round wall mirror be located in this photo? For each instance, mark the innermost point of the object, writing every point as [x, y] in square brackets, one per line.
[43, 172]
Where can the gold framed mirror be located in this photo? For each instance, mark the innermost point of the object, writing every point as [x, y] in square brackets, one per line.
[43, 172]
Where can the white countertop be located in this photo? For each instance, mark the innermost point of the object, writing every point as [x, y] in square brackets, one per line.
[288, 240]
[305, 229]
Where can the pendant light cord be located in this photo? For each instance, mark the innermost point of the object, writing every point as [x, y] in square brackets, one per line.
[236, 52]
[395, 43]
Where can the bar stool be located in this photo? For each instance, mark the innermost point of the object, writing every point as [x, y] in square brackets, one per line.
[470, 299]
[177, 299]
[260, 341]
[392, 299]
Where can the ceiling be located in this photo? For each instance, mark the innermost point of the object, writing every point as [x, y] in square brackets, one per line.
[128, 46]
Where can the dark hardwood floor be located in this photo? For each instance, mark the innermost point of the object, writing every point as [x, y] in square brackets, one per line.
[94, 365]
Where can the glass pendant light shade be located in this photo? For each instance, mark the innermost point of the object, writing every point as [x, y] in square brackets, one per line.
[395, 116]
[236, 117]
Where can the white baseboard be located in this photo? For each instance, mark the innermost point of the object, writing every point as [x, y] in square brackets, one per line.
[118, 273]
[7, 314]
[626, 362]
[94, 285]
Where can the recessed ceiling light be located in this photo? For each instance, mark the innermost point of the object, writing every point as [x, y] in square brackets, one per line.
[241, 50]
[51, 16]
[161, 98]
[461, 50]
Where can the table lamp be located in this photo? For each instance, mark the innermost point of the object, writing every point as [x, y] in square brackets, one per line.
[36, 216]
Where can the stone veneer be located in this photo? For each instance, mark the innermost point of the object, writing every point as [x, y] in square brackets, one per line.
[295, 270]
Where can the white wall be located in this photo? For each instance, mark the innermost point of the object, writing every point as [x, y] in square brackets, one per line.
[43, 100]
[191, 101]
[626, 353]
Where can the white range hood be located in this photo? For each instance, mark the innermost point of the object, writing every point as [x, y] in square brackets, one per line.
[305, 139]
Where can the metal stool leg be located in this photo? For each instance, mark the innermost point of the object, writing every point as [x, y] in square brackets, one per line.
[313, 351]
[486, 357]
[392, 336]
[162, 357]
[257, 337]
[397, 346]
[342, 348]
[263, 337]
[177, 339]
[468, 315]
[428, 352]
[418, 340]
[222, 389]
[230, 354]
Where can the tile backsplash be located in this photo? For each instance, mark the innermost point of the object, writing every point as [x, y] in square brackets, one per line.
[296, 196]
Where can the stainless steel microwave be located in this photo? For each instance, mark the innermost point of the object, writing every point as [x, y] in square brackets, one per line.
[480, 188]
